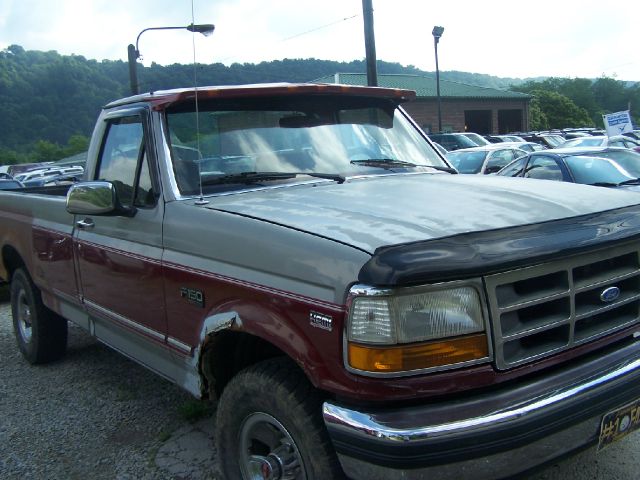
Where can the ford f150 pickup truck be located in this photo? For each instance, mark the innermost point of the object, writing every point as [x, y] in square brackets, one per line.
[304, 256]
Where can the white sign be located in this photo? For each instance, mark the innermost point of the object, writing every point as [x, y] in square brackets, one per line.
[617, 123]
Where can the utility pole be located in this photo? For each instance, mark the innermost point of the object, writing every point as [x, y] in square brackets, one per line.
[132, 57]
[370, 43]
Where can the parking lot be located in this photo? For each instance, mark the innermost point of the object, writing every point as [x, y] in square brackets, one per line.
[95, 414]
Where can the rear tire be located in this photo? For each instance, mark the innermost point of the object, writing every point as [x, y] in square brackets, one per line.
[269, 422]
[40, 333]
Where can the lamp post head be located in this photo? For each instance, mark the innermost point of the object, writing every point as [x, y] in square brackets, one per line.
[133, 53]
[437, 33]
[206, 28]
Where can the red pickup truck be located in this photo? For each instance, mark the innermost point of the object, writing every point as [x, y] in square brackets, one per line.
[303, 254]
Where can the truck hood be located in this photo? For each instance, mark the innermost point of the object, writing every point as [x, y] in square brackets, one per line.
[373, 212]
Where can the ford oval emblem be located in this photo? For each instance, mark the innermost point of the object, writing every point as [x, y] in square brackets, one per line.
[610, 294]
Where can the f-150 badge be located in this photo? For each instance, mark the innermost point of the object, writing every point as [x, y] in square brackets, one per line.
[193, 296]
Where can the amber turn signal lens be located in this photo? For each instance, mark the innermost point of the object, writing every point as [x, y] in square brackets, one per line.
[417, 357]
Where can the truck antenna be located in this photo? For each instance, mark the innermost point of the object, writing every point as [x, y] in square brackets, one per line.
[201, 200]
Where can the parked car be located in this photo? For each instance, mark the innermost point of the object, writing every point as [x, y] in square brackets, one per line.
[504, 138]
[526, 146]
[9, 184]
[476, 138]
[575, 134]
[453, 141]
[18, 168]
[56, 179]
[627, 159]
[603, 141]
[549, 140]
[483, 160]
[443, 151]
[567, 167]
[635, 134]
[48, 172]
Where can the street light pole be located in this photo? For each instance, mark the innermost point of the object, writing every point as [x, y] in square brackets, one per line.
[437, 33]
[133, 53]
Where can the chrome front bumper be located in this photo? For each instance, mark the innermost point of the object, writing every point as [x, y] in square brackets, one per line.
[489, 435]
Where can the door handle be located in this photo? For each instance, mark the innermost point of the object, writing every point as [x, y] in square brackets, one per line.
[85, 224]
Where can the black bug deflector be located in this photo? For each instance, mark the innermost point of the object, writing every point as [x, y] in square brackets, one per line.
[479, 253]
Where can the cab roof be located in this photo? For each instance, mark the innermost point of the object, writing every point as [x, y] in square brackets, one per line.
[164, 98]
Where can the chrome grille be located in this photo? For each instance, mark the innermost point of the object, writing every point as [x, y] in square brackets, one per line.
[548, 308]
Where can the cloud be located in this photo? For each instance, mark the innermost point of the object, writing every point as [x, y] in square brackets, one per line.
[493, 37]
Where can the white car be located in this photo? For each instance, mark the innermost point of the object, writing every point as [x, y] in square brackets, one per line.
[603, 141]
[483, 160]
[46, 172]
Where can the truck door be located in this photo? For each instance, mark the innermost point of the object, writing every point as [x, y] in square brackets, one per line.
[118, 257]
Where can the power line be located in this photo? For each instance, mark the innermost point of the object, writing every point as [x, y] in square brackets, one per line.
[320, 28]
[304, 33]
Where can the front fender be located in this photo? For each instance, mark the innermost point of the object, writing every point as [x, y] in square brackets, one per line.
[286, 326]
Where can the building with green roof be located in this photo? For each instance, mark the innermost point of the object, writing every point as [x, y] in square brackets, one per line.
[464, 107]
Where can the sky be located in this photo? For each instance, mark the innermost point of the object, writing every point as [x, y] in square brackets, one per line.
[503, 38]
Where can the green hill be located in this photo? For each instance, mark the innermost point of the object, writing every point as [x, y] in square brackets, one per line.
[51, 97]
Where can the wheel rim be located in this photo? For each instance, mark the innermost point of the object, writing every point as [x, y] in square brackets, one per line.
[267, 450]
[24, 317]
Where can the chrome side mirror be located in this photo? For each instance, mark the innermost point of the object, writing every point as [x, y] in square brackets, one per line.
[95, 198]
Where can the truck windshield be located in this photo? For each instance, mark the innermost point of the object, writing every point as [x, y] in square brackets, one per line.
[312, 134]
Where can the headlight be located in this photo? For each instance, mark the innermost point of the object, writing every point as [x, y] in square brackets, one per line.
[415, 329]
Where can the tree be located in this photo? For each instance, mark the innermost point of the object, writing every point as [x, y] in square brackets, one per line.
[76, 144]
[611, 94]
[560, 111]
[46, 151]
[537, 119]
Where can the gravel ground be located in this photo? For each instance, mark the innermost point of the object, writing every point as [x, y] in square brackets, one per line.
[97, 415]
[94, 414]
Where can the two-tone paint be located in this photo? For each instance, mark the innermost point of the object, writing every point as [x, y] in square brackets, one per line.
[195, 288]
[267, 262]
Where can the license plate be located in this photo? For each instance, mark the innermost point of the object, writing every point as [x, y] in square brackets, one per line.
[619, 423]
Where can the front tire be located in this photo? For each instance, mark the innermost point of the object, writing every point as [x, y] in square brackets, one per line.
[269, 425]
[40, 333]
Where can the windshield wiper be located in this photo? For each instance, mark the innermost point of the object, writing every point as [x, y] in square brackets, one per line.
[388, 163]
[443, 169]
[385, 163]
[255, 177]
[633, 181]
[603, 184]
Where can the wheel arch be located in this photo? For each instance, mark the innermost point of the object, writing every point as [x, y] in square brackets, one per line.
[227, 352]
[246, 335]
[11, 261]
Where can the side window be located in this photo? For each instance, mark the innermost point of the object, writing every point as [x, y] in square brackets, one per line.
[544, 168]
[514, 169]
[498, 160]
[123, 161]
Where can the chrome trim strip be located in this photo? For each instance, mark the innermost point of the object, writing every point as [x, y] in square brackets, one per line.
[124, 253]
[65, 297]
[174, 342]
[310, 301]
[367, 426]
[130, 323]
